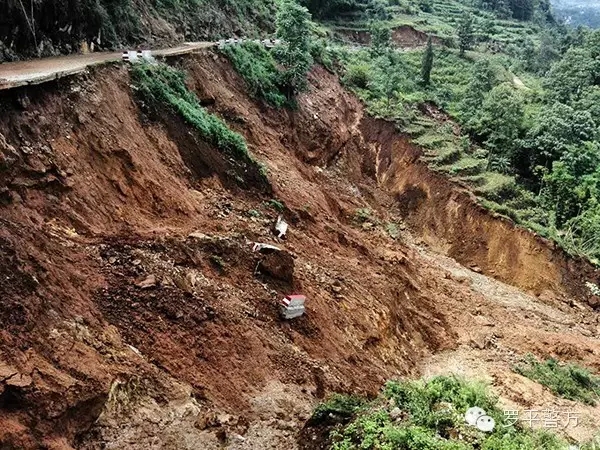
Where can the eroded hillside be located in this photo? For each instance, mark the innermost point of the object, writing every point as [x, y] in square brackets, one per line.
[134, 311]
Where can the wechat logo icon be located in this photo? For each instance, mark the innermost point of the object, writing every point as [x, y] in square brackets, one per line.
[477, 417]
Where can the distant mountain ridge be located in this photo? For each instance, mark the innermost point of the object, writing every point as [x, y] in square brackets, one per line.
[578, 12]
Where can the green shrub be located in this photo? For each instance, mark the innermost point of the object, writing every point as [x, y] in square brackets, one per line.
[322, 54]
[362, 215]
[337, 407]
[358, 75]
[498, 187]
[565, 380]
[419, 399]
[276, 205]
[392, 230]
[258, 69]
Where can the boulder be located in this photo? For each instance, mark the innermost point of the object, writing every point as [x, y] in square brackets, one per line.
[278, 265]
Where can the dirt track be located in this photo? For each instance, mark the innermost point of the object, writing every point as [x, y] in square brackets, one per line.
[133, 316]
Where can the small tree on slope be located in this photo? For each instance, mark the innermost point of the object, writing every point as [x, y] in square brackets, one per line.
[427, 64]
[465, 33]
[293, 28]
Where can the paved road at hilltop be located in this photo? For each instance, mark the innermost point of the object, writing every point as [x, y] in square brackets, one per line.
[42, 70]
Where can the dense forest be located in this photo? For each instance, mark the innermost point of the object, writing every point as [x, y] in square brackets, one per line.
[531, 149]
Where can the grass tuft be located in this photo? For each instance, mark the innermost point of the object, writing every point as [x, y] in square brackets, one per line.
[570, 381]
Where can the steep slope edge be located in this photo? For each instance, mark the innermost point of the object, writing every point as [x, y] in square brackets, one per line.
[109, 301]
[449, 218]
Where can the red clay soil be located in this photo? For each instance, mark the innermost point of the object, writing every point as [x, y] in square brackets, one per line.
[125, 254]
[406, 36]
[362, 37]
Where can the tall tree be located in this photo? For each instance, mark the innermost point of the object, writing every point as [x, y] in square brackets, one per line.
[522, 9]
[555, 128]
[377, 10]
[547, 54]
[329, 8]
[427, 63]
[501, 120]
[543, 12]
[381, 37]
[388, 79]
[465, 33]
[569, 78]
[573, 182]
[482, 81]
[293, 28]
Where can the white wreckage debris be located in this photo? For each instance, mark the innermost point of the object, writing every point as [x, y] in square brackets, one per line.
[292, 306]
[281, 227]
[265, 249]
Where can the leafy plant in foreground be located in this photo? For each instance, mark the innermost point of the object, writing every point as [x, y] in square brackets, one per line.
[465, 33]
[429, 415]
[427, 64]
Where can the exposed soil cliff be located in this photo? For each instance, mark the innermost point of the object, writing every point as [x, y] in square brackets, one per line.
[449, 219]
[134, 313]
[403, 36]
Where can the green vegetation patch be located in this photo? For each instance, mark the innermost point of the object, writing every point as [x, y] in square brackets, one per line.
[430, 415]
[565, 380]
[160, 85]
[522, 97]
[496, 186]
[259, 70]
[278, 78]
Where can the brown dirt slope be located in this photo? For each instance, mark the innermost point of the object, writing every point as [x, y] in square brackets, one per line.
[133, 311]
[403, 36]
